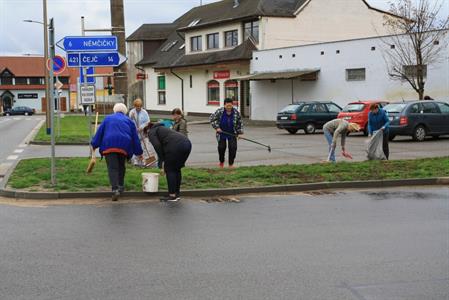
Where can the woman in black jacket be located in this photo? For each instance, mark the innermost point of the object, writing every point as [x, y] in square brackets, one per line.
[173, 149]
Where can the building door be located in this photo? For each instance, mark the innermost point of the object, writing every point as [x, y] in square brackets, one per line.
[44, 104]
[7, 102]
[63, 104]
[245, 103]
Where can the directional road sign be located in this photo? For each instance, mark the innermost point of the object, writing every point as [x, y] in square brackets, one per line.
[89, 43]
[95, 59]
[59, 64]
[89, 71]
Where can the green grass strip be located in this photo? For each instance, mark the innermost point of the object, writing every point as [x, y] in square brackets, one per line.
[34, 174]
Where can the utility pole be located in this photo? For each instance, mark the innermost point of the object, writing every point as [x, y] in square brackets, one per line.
[47, 83]
[51, 99]
[118, 29]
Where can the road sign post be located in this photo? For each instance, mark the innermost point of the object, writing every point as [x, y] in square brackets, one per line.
[52, 103]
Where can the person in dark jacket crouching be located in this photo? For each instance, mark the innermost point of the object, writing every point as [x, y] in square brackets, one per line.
[118, 141]
[173, 149]
[378, 120]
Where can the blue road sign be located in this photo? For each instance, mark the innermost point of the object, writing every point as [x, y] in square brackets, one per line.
[59, 64]
[89, 71]
[89, 43]
[95, 59]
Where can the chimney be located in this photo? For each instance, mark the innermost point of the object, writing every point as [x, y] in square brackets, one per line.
[236, 3]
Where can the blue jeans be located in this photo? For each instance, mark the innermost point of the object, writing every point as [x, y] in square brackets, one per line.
[329, 137]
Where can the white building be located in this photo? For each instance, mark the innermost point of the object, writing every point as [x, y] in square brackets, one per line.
[341, 71]
[211, 45]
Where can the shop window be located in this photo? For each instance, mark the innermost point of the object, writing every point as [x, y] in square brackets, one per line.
[232, 91]
[213, 93]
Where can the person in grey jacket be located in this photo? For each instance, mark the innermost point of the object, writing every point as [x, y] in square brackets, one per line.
[335, 128]
[173, 150]
[180, 124]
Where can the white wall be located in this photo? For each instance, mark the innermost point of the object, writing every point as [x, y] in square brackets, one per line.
[322, 21]
[268, 98]
[34, 103]
[195, 97]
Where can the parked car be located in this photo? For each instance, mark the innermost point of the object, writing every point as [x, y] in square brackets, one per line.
[19, 110]
[308, 116]
[357, 112]
[418, 119]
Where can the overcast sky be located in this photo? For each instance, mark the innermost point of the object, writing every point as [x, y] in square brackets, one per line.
[19, 38]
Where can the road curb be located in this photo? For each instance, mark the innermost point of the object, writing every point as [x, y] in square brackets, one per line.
[8, 193]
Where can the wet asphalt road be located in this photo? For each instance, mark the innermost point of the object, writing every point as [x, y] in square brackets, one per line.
[362, 245]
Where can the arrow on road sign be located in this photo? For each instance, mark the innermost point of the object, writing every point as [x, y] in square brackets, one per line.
[89, 71]
[88, 43]
[95, 59]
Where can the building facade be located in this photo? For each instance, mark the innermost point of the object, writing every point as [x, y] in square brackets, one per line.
[341, 71]
[22, 83]
[212, 45]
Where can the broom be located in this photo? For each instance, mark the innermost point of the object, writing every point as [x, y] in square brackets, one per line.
[151, 159]
[93, 159]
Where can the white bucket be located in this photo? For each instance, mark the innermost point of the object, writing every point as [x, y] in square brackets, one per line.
[150, 182]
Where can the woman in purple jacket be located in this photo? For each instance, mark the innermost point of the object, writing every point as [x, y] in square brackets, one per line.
[118, 141]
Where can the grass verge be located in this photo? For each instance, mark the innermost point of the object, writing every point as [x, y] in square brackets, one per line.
[34, 174]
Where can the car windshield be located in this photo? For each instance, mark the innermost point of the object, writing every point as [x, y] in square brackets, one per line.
[290, 109]
[354, 107]
[395, 108]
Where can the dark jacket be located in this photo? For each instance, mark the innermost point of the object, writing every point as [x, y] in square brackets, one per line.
[215, 120]
[167, 143]
[377, 121]
[117, 131]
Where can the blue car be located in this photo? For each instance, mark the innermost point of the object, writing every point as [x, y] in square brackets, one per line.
[418, 119]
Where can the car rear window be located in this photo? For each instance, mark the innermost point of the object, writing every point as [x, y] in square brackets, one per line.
[290, 109]
[354, 107]
[395, 108]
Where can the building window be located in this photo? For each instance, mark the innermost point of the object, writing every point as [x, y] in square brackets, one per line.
[195, 43]
[355, 74]
[161, 90]
[251, 29]
[232, 91]
[212, 41]
[412, 71]
[161, 98]
[231, 38]
[64, 80]
[37, 80]
[6, 80]
[213, 93]
[21, 81]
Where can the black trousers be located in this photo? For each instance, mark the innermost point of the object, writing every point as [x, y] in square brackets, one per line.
[385, 145]
[116, 170]
[173, 166]
[232, 146]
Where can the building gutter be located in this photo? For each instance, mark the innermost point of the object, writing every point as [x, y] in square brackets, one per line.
[182, 89]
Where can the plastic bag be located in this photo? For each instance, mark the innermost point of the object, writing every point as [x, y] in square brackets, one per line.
[374, 148]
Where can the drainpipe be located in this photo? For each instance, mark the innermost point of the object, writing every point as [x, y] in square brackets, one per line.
[182, 89]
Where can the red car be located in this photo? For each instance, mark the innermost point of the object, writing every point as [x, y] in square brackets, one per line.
[357, 112]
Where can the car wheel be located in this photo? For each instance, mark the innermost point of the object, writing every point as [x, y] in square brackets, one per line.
[310, 128]
[26, 114]
[292, 131]
[419, 134]
[7, 114]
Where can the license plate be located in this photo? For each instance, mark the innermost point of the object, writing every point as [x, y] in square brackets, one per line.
[284, 118]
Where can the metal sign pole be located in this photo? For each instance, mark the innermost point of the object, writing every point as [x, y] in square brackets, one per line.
[52, 101]
[84, 71]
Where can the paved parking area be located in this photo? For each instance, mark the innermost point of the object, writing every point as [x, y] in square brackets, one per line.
[286, 148]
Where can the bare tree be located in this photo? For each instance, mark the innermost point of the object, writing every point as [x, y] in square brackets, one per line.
[416, 39]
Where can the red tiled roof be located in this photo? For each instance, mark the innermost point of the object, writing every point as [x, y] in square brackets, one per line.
[25, 66]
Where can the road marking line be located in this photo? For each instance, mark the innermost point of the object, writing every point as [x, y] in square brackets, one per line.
[18, 150]
[12, 157]
[17, 119]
